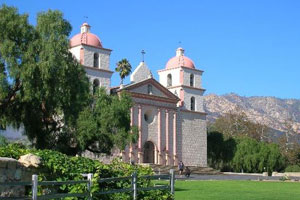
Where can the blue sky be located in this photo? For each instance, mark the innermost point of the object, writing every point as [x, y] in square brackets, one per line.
[249, 47]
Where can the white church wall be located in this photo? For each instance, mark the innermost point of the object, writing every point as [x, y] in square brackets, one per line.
[76, 52]
[163, 76]
[175, 91]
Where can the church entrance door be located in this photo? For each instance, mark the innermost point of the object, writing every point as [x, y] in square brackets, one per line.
[149, 152]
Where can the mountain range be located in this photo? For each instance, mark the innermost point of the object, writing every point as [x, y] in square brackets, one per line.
[270, 111]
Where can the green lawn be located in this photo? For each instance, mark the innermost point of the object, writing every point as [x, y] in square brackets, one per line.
[240, 190]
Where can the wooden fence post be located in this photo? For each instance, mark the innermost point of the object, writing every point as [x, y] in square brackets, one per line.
[172, 181]
[34, 186]
[134, 185]
[89, 185]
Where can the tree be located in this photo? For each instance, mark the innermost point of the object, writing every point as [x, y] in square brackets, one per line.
[235, 124]
[289, 143]
[291, 151]
[3, 141]
[124, 68]
[42, 86]
[253, 156]
[106, 123]
[219, 151]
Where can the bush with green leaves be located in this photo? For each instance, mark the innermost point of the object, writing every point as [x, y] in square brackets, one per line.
[14, 150]
[292, 168]
[3, 141]
[60, 167]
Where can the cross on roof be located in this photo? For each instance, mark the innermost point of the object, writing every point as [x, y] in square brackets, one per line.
[143, 55]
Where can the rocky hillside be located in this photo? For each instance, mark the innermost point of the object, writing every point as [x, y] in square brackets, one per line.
[270, 111]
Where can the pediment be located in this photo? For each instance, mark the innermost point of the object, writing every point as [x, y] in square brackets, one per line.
[156, 89]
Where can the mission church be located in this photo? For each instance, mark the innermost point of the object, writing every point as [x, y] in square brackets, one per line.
[168, 113]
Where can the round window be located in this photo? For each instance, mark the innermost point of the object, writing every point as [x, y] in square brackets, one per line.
[148, 116]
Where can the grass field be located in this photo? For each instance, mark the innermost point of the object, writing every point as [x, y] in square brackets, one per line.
[240, 190]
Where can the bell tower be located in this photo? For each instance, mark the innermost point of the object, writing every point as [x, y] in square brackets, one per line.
[182, 78]
[88, 50]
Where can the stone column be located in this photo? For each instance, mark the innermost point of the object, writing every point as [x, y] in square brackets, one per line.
[131, 153]
[175, 139]
[140, 147]
[155, 155]
[167, 138]
[159, 136]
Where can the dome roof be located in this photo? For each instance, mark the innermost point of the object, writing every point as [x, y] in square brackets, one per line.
[85, 37]
[180, 60]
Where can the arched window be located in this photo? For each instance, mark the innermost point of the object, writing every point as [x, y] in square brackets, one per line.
[95, 85]
[192, 80]
[96, 60]
[81, 56]
[149, 89]
[193, 103]
[169, 80]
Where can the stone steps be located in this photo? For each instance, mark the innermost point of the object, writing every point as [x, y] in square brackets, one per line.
[163, 169]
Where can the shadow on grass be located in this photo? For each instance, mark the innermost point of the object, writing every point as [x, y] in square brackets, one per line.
[176, 188]
[180, 189]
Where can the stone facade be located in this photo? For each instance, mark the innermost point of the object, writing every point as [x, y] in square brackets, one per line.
[164, 118]
[141, 73]
[193, 142]
[103, 58]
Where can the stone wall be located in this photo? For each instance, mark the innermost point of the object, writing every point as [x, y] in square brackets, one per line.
[104, 158]
[197, 94]
[102, 76]
[104, 55]
[193, 140]
[197, 77]
[11, 171]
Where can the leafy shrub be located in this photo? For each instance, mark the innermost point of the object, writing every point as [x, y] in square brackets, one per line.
[14, 150]
[60, 167]
[284, 178]
[3, 141]
[292, 168]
